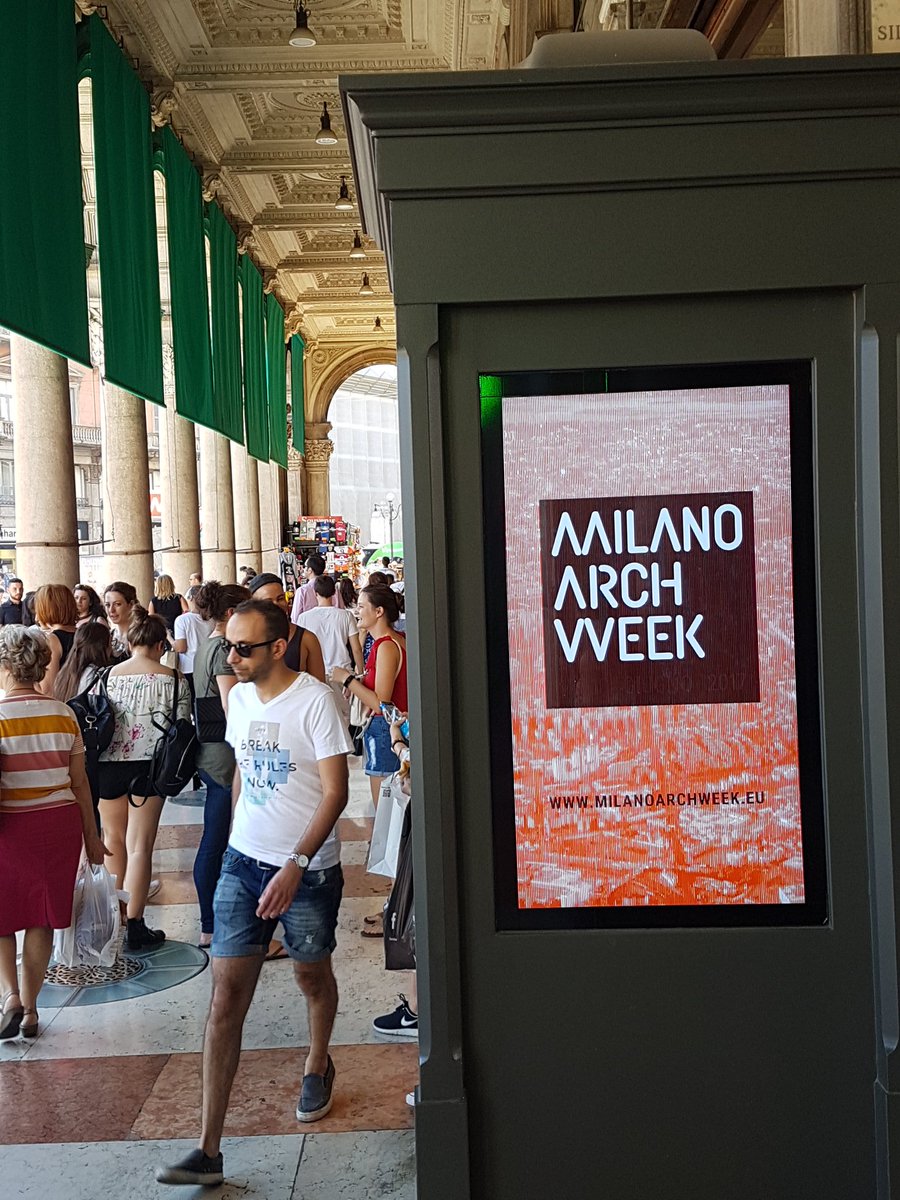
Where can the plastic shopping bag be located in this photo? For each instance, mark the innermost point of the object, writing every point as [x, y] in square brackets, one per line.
[93, 937]
[387, 829]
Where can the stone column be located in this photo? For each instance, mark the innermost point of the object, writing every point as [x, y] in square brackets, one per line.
[245, 485]
[295, 485]
[318, 452]
[46, 522]
[180, 498]
[825, 27]
[217, 533]
[268, 512]
[127, 532]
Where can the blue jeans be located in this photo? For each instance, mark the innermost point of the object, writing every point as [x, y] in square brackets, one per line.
[309, 924]
[208, 863]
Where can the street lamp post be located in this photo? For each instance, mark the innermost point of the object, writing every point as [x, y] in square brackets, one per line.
[389, 511]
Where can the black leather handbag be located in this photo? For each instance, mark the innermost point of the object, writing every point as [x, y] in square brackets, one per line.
[209, 719]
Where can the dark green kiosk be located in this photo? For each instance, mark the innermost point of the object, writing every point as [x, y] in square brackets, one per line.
[648, 323]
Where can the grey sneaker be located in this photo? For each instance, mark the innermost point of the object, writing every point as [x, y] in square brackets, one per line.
[315, 1095]
[195, 1167]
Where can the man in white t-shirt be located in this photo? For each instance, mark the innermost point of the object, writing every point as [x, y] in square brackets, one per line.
[305, 598]
[282, 863]
[338, 636]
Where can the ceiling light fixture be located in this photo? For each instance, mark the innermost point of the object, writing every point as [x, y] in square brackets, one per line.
[325, 136]
[366, 289]
[303, 37]
[343, 202]
[356, 250]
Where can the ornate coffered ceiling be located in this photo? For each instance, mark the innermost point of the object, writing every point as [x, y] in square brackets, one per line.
[247, 106]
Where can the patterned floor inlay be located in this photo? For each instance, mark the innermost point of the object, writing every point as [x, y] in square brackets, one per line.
[135, 974]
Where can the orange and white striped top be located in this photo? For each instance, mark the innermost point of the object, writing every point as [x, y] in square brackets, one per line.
[37, 737]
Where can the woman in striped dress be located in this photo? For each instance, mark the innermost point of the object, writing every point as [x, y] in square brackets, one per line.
[46, 815]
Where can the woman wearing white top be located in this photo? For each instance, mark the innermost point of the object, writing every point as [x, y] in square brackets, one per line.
[140, 689]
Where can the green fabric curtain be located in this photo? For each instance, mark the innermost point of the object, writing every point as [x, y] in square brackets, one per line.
[276, 381]
[228, 403]
[126, 220]
[43, 291]
[187, 279]
[256, 408]
[298, 399]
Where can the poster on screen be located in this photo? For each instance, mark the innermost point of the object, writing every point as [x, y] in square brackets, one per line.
[652, 650]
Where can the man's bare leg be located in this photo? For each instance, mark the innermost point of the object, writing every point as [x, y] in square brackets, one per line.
[318, 984]
[234, 982]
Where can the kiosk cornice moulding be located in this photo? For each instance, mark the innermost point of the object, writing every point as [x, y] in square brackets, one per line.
[636, 127]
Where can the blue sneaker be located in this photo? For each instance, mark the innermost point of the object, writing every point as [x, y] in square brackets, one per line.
[196, 1167]
[315, 1095]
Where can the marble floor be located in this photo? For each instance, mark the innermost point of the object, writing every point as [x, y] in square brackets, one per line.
[110, 1090]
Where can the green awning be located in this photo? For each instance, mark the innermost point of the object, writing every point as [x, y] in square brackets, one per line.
[43, 290]
[256, 411]
[298, 400]
[228, 401]
[187, 279]
[276, 376]
[126, 220]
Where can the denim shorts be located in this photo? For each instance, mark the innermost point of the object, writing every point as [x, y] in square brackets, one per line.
[380, 758]
[309, 924]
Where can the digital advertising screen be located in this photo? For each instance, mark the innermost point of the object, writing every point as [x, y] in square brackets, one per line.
[652, 639]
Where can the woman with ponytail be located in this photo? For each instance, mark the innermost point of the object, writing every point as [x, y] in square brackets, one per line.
[140, 689]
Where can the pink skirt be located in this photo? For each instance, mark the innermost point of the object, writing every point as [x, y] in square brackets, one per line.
[39, 854]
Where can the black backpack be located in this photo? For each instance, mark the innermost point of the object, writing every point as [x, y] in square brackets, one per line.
[95, 716]
[174, 758]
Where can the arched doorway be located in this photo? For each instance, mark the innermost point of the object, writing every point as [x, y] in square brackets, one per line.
[365, 463]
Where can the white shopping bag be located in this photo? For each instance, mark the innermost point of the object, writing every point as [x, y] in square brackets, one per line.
[92, 940]
[385, 848]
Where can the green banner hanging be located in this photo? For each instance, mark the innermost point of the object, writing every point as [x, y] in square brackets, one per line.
[43, 290]
[126, 220]
[228, 401]
[187, 279]
[256, 409]
[298, 400]
[276, 381]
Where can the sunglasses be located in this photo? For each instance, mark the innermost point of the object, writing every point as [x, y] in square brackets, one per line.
[245, 649]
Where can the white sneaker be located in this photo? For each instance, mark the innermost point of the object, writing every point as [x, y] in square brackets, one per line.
[155, 885]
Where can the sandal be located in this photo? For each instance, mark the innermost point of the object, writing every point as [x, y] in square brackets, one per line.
[374, 918]
[372, 931]
[276, 950]
[10, 1022]
[31, 1029]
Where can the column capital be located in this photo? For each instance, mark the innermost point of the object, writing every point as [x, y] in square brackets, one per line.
[162, 106]
[318, 452]
[296, 461]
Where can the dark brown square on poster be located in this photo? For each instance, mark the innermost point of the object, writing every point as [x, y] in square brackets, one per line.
[649, 600]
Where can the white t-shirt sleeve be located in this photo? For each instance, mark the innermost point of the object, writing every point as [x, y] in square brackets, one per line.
[181, 625]
[325, 727]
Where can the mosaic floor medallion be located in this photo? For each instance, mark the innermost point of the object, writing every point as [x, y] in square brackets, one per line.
[136, 973]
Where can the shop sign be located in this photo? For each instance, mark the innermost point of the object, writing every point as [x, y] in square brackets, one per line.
[885, 26]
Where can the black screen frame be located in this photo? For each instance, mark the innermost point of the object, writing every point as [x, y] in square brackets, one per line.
[798, 376]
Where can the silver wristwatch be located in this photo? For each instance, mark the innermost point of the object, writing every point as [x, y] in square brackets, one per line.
[299, 860]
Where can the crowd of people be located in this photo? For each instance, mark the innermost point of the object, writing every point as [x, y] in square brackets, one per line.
[269, 686]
